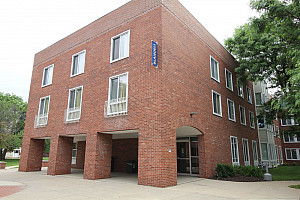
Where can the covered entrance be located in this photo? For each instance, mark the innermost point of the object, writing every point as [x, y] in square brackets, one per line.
[187, 142]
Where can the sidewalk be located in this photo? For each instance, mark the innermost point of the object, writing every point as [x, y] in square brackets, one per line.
[38, 185]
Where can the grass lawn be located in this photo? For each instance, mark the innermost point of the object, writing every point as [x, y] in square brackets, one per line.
[45, 158]
[295, 186]
[11, 162]
[286, 173]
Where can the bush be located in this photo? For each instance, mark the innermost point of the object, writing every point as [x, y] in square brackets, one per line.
[224, 171]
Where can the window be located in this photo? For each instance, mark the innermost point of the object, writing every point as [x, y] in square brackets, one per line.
[258, 99]
[276, 155]
[289, 122]
[217, 109]
[264, 151]
[118, 94]
[229, 83]
[231, 110]
[120, 46]
[74, 105]
[249, 96]
[255, 155]
[240, 89]
[281, 156]
[47, 75]
[242, 115]
[42, 117]
[214, 68]
[234, 150]
[261, 123]
[78, 62]
[291, 138]
[251, 117]
[277, 131]
[292, 154]
[246, 152]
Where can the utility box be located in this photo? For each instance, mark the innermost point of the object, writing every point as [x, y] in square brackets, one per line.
[131, 166]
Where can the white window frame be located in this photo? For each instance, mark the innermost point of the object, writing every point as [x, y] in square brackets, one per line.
[220, 107]
[50, 82]
[112, 46]
[230, 74]
[109, 103]
[277, 155]
[293, 122]
[249, 94]
[251, 122]
[261, 99]
[267, 149]
[43, 116]
[234, 118]
[218, 69]
[246, 154]
[281, 155]
[255, 152]
[244, 114]
[285, 136]
[75, 110]
[73, 56]
[240, 89]
[232, 151]
[297, 153]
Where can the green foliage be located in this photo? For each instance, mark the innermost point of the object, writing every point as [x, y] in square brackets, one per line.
[267, 48]
[12, 162]
[295, 186]
[12, 121]
[47, 146]
[224, 171]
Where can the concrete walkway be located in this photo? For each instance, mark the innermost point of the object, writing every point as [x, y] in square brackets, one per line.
[38, 185]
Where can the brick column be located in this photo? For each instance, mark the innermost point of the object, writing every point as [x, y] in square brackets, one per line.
[98, 156]
[157, 159]
[80, 155]
[60, 157]
[32, 155]
[202, 158]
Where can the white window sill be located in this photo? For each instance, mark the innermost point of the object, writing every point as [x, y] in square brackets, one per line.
[46, 85]
[216, 114]
[113, 61]
[76, 74]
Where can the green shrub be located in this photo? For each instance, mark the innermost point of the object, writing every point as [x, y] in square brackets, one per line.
[224, 171]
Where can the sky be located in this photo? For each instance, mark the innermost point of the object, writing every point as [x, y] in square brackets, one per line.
[29, 26]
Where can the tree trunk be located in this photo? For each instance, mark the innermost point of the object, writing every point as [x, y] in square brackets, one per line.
[0, 154]
[3, 154]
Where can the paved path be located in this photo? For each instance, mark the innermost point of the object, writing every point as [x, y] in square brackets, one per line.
[38, 185]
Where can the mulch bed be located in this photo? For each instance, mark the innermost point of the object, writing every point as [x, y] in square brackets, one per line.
[238, 178]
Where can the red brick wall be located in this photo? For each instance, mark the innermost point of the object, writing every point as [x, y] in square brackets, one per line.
[288, 146]
[159, 101]
[122, 151]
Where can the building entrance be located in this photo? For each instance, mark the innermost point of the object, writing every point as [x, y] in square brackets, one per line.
[187, 156]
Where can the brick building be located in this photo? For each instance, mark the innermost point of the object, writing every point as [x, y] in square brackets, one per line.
[97, 93]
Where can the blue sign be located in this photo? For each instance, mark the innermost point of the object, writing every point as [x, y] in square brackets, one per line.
[154, 53]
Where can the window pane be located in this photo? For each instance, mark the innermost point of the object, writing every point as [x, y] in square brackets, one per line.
[258, 98]
[46, 77]
[122, 87]
[46, 105]
[212, 67]
[114, 89]
[42, 105]
[78, 98]
[294, 154]
[116, 48]
[264, 151]
[72, 99]
[75, 65]
[81, 60]
[124, 46]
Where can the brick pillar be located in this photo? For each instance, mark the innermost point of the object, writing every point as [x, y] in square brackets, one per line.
[60, 157]
[157, 159]
[202, 158]
[98, 156]
[32, 155]
[80, 155]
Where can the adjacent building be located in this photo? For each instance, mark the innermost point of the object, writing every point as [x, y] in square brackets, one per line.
[146, 83]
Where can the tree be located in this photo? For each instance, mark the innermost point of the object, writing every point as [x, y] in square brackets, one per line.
[268, 49]
[12, 121]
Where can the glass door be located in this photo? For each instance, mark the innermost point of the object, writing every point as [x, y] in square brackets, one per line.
[183, 159]
[187, 156]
